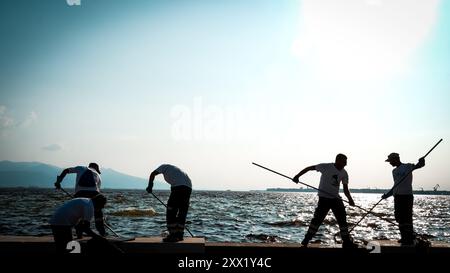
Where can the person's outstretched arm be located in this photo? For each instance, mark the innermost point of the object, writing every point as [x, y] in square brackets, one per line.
[150, 181]
[100, 222]
[60, 177]
[302, 172]
[348, 195]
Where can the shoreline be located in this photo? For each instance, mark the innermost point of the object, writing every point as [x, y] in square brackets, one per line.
[270, 190]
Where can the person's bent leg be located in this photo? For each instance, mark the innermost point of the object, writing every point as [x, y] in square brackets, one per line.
[100, 222]
[338, 209]
[183, 207]
[171, 213]
[319, 215]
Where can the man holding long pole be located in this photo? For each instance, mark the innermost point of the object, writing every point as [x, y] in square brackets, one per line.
[88, 182]
[332, 175]
[403, 195]
[178, 204]
[398, 182]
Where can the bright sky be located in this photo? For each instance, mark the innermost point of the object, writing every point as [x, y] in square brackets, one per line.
[211, 86]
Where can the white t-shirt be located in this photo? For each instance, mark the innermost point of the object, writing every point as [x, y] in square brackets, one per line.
[174, 175]
[330, 180]
[73, 211]
[86, 184]
[405, 186]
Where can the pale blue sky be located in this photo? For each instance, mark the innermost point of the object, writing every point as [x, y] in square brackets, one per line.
[213, 85]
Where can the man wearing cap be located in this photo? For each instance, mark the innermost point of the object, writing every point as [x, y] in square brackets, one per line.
[88, 182]
[178, 204]
[403, 195]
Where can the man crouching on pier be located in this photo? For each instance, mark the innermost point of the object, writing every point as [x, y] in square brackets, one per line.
[78, 211]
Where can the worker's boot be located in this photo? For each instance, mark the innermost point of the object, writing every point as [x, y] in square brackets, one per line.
[172, 238]
[347, 242]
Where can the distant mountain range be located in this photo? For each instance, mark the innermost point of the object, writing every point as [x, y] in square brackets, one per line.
[379, 191]
[36, 174]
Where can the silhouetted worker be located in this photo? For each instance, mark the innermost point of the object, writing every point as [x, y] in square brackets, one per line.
[178, 204]
[332, 175]
[88, 182]
[78, 211]
[403, 195]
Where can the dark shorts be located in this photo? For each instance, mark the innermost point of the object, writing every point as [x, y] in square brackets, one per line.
[85, 194]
